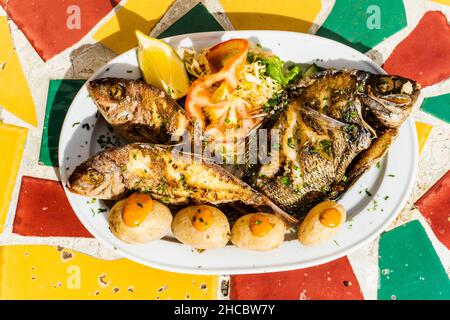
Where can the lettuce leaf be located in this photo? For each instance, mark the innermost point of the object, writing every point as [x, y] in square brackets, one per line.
[274, 69]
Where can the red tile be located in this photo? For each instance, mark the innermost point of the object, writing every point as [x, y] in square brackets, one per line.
[424, 55]
[44, 211]
[52, 26]
[331, 281]
[435, 207]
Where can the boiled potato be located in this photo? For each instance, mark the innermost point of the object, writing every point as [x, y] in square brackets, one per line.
[139, 219]
[321, 223]
[258, 231]
[202, 227]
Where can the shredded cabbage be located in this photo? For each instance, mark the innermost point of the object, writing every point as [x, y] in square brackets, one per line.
[255, 87]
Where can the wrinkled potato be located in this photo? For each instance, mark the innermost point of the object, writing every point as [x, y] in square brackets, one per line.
[258, 231]
[155, 224]
[202, 227]
[321, 223]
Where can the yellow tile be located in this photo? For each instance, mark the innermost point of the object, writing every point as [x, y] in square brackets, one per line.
[272, 15]
[15, 95]
[446, 2]
[46, 272]
[423, 131]
[12, 140]
[118, 32]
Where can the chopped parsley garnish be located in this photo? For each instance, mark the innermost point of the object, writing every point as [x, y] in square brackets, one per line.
[313, 149]
[258, 222]
[290, 143]
[108, 141]
[272, 102]
[134, 156]
[86, 126]
[285, 180]
[183, 180]
[326, 146]
[387, 197]
[140, 205]
[367, 192]
[351, 128]
[227, 121]
[75, 124]
[391, 175]
[101, 210]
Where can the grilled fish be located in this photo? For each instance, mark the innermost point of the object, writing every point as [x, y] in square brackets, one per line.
[138, 111]
[173, 177]
[335, 126]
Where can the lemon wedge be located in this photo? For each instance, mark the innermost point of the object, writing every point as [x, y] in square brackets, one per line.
[161, 66]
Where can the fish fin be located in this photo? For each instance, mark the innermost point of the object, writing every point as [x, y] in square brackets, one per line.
[277, 210]
[366, 160]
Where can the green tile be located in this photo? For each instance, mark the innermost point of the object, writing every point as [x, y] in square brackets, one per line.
[198, 19]
[409, 266]
[365, 23]
[59, 98]
[438, 106]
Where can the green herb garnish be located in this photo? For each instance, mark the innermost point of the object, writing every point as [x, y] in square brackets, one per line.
[326, 146]
[290, 143]
[285, 180]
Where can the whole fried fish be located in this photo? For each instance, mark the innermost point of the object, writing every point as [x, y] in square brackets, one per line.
[138, 111]
[164, 173]
[336, 125]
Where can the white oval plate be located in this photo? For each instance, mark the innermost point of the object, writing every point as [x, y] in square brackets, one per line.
[368, 215]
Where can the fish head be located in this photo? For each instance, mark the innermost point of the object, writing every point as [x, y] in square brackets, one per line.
[116, 98]
[97, 177]
[389, 98]
[393, 88]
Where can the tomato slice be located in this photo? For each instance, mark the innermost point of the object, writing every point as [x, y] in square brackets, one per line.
[228, 57]
[226, 61]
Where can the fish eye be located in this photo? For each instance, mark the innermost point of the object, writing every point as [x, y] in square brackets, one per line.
[94, 177]
[117, 92]
[385, 84]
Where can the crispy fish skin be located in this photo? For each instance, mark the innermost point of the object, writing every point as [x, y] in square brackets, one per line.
[337, 124]
[138, 111]
[173, 177]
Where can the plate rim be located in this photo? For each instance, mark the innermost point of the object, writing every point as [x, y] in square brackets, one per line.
[256, 269]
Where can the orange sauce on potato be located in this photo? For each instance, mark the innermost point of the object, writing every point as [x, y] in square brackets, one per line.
[136, 209]
[260, 225]
[330, 217]
[202, 219]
